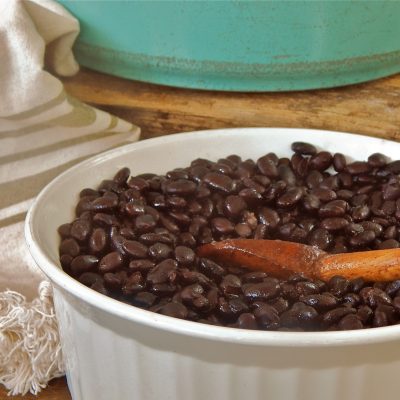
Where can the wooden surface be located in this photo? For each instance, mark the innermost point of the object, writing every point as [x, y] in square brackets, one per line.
[56, 390]
[370, 108]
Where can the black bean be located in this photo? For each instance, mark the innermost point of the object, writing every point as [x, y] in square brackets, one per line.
[64, 230]
[133, 284]
[127, 233]
[108, 185]
[362, 239]
[184, 255]
[122, 176]
[164, 272]
[324, 194]
[180, 187]
[372, 226]
[251, 196]
[144, 299]
[374, 296]
[135, 249]
[232, 308]
[177, 173]
[90, 278]
[351, 300]
[231, 284]
[333, 316]
[287, 175]
[246, 321]
[81, 229]
[393, 167]
[334, 224]
[267, 316]
[186, 239]
[311, 203]
[104, 203]
[359, 200]
[135, 207]
[234, 206]
[274, 191]
[299, 165]
[320, 301]
[290, 197]
[188, 277]
[389, 311]
[174, 309]
[115, 281]
[303, 148]
[69, 246]
[321, 161]
[243, 230]
[305, 288]
[219, 181]
[267, 289]
[350, 322]
[339, 162]
[377, 160]
[331, 183]
[299, 314]
[344, 194]
[393, 287]
[211, 269]
[269, 217]
[360, 213]
[338, 286]
[250, 184]
[143, 265]
[138, 183]
[313, 179]
[365, 314]
[379, 319]
[160, 251]
[83, 263]
[358, 167]
[335, 208]
[180, 217]
[391, 191]
[222, 225]
[145, 223]
[267, 167]
[98, 241]
[111, 262]
[153, 237]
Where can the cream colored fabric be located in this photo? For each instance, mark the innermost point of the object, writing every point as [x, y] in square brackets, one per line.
[43, 131]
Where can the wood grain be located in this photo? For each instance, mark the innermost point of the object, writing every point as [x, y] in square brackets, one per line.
[56, 390]
[370, 108]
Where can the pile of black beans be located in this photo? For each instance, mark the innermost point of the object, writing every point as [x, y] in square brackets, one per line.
[135, 238]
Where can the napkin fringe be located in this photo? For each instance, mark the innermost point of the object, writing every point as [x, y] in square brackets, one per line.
[30, 351]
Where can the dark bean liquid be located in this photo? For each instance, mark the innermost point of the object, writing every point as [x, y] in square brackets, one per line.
[135, 239]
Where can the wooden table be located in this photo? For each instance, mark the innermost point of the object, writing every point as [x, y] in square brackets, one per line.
[370, 108]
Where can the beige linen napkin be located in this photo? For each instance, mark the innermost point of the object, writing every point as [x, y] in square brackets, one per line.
[43, 131]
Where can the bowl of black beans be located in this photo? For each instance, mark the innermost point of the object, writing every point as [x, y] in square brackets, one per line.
[142, 315]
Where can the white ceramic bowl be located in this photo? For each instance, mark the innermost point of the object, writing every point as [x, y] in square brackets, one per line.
[116, 351]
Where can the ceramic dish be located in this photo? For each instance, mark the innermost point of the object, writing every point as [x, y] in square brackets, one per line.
[116, 351]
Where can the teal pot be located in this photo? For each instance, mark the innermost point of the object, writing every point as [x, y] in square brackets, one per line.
[240, 45]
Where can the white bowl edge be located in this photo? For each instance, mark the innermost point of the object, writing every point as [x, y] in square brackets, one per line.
[161, 322]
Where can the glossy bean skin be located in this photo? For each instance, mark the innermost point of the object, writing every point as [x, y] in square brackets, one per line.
[135, 238]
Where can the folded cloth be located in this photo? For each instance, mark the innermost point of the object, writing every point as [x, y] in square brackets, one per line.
[43, 131]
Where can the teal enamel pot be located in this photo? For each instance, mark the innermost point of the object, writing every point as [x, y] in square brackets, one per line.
[240, 45]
